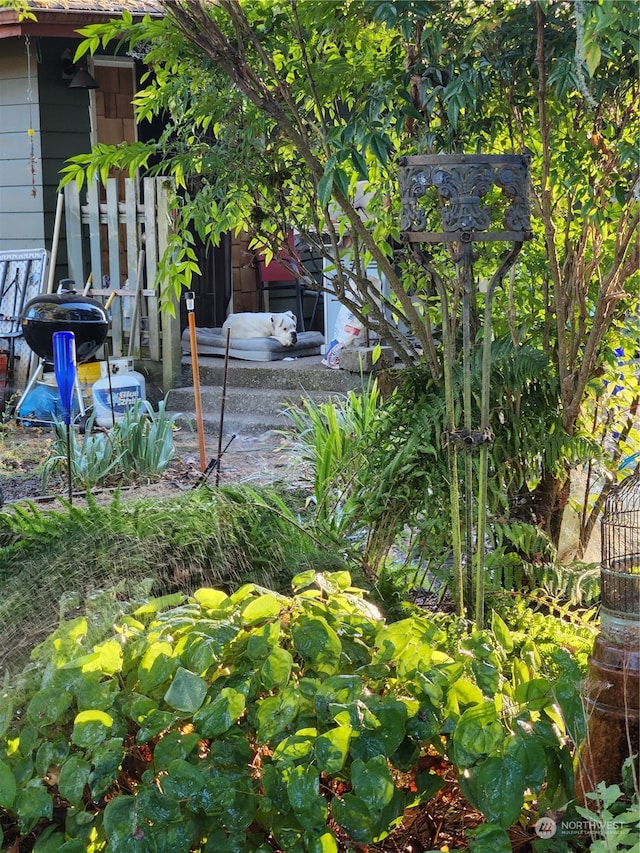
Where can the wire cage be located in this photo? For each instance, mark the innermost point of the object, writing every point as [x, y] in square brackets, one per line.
[620, 566]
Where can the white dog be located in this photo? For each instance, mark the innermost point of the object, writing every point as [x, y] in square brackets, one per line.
[282, 327]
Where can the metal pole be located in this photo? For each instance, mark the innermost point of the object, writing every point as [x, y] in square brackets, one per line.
[222, 404]
[69, 477]
[464, 265]
[190, 298]
[485, 406]
[448, 354]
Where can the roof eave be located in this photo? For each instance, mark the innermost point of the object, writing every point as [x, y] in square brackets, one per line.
[55, 24]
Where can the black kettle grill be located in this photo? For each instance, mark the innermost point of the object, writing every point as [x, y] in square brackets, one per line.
[64, 312]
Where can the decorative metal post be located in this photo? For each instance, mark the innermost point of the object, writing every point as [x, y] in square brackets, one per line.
[468, 189]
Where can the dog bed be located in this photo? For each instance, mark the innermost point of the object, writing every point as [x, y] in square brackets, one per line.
[214, 342]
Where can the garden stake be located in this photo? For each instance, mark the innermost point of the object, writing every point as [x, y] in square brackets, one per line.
[452, 451]
[222, 405]
[190, 299]
[213, 463]
[107, 305]
[106, 359]
[483, 466]
[134, 336]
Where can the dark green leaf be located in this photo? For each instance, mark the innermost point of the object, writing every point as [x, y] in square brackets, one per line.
[353, 816]
[91, 728]
[318, 645]
[325, 188]
[332, 748]
[277, 713]
[118, 821]
[296, 748]
[303, 791]
[536, 693]
[7, 786]
[32, 803]
[360, 165]
[107, 759]
[489, 838]
[341, 181]
[156, 667]
[372, 782]
[172, 746]
[183, 780]
[49, 841]
[276, 669]
[528, 752]
[379, 148]
[324, 842]
[187, 691]
[48, 705]
[74, 775]
[221, 714]
[500, 790]
[477, 734]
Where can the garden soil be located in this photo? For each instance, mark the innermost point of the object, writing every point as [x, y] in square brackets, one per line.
[256, 460]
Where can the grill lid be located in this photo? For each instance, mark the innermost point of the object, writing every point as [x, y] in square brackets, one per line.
[64, 312]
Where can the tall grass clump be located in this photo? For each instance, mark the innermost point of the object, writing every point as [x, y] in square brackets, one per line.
[331, 437]
[371, 480]
[139, 446]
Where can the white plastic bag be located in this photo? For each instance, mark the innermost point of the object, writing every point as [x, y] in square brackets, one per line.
[347, 332]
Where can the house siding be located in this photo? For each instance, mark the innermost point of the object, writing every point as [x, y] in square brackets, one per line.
[66, 130]
[61, 122]
[21, 217]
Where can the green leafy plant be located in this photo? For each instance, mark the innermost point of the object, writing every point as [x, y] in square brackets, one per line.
[146, 438]
[613, 818]
[330, 436]
[140, 445]
[228, 723]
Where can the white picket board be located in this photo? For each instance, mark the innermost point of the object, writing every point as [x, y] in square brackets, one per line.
[99, 226]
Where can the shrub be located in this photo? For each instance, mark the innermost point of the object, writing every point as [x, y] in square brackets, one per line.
[235, 723]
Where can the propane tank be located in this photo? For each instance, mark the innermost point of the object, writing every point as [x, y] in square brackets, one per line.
[123, 390]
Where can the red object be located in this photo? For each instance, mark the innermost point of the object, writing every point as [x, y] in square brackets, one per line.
[275, 271]
[4, 367]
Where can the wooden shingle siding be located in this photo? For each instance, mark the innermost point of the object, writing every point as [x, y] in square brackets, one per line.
[21, 217]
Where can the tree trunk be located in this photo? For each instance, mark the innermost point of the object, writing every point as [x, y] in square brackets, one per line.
[550, 497]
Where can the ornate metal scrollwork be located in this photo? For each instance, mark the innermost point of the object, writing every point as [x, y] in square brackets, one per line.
[468, 439]
[462, 182]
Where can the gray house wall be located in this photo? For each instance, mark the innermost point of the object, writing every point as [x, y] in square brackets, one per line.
[22, 224]
[61, 121]
[65, 131]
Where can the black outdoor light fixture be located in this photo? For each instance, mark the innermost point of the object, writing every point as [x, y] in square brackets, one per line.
[465, 194]
[78, 74]
[82, 79]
